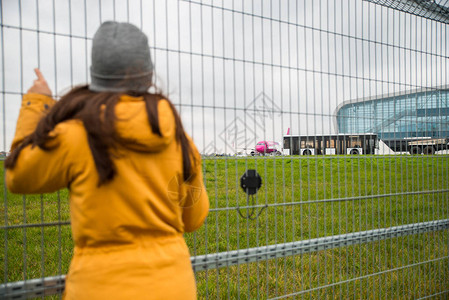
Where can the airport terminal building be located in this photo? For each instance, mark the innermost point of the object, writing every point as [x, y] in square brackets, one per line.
[397, 117]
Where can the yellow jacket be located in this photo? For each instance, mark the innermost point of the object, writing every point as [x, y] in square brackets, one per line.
[128, 232]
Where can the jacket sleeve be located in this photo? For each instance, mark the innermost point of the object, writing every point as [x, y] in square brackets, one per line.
[196, 206]
[37, 170]
[34, 106]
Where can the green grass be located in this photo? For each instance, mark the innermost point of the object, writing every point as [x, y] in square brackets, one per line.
[303, 181]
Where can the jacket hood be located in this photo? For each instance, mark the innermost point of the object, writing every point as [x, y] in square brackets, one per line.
[132, 124]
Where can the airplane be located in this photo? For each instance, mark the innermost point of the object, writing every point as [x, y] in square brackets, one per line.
[267, 147]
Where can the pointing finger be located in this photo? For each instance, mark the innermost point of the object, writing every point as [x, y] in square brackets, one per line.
[39, 74]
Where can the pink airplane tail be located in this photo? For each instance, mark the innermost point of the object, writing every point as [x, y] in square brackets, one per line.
[288, 131]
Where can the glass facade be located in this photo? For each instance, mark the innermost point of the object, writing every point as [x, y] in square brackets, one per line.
[409, 115]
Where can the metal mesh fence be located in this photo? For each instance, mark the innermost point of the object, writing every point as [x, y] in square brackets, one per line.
[340, 106]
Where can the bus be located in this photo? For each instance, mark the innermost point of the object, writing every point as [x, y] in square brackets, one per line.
[333, 144]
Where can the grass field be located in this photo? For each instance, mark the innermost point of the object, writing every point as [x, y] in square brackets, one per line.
[372, 192]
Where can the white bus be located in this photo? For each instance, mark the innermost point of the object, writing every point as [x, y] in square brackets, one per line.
[333, 144]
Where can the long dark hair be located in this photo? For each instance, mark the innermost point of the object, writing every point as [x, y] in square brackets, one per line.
[97, 112]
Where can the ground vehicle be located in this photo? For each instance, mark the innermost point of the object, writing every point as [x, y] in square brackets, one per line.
[418, 145]
[331, 144]
[267, 147]
[427, 145]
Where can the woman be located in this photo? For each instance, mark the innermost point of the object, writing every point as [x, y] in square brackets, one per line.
[134, 175]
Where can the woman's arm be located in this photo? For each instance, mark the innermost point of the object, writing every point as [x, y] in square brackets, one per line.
[35, 104]
[196, 206]
[37, 170]
[44, 171]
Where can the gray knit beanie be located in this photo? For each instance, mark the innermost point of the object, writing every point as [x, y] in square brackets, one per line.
[121, 59]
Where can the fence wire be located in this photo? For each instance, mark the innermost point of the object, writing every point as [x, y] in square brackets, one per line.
[340, 106]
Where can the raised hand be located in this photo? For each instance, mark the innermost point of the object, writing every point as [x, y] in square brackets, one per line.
[40, 85]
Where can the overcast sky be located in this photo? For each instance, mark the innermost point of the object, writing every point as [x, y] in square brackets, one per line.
[238, 71]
